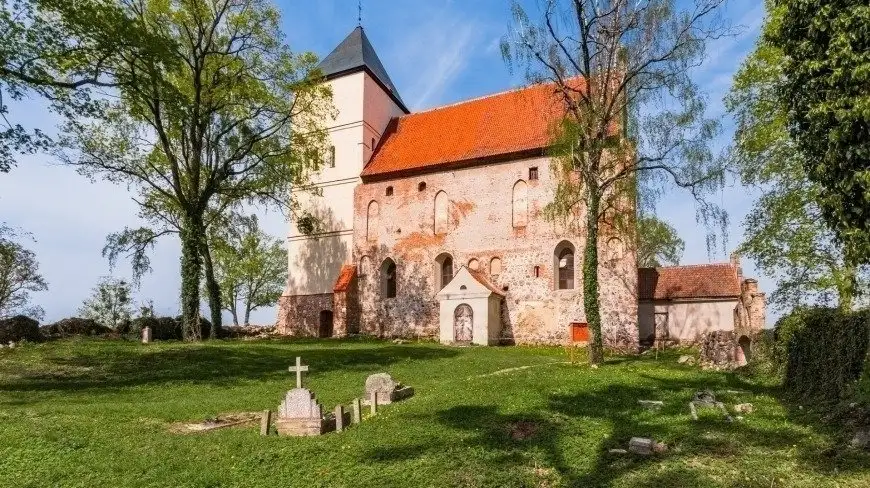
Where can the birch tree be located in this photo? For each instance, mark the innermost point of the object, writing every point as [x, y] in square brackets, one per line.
[623, 70]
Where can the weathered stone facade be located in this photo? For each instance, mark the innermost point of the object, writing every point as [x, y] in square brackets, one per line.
[486, 226]
[299, 315]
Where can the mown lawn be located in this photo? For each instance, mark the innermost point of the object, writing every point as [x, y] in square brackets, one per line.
[96, 413]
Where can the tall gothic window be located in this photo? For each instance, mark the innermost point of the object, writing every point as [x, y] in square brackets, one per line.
[442, 214]
[443, 270]
[372, 221]
[388, 279]
[564, 262]
[520, 204]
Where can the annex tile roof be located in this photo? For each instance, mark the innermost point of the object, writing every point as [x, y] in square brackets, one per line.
[505, 124]
[345, 277]
[356, 53]
[483, 280]
[717, 280]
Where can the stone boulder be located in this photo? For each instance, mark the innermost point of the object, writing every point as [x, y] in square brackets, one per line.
[19, 328]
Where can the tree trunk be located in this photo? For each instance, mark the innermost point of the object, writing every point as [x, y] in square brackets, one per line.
[235, 315]
[247, 313]
[214, 292]
[591, 305]
[191, 271]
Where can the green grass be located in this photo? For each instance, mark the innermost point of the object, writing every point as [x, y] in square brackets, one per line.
[96, 413]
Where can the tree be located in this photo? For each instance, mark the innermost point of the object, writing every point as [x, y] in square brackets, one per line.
[785, 231]
[658, 244]
[19, 276]
[110, 304]
[250, 267]
[622, 70]
[59, 50]
[233, 115]
[826, 89]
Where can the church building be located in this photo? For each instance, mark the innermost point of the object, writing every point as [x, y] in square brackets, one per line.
[430, 224]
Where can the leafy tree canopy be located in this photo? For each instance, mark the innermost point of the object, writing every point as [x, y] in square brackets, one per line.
[658, 244]
[826, 89]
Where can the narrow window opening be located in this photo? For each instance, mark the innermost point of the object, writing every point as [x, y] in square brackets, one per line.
[331, 156]
[421, 186]
[373, 144]
[389, 191]
[537, 272]
[533, 173]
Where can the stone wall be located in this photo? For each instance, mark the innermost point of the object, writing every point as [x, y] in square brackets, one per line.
[299, 315]
[718, 350]
[483, 208]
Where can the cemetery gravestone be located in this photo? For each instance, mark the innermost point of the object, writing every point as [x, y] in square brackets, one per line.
[146, 335]
[388, 389]
[300, 414]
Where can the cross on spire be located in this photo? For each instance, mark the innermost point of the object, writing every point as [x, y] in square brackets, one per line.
[359, 13]
[298, 369]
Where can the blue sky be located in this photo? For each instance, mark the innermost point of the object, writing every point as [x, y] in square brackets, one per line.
[436, 52]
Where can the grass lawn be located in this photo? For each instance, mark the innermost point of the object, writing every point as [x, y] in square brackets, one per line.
[96, 413]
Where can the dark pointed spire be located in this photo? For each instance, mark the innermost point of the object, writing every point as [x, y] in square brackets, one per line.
[355, 53]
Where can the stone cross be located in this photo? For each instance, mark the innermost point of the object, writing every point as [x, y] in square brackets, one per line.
[298, 369]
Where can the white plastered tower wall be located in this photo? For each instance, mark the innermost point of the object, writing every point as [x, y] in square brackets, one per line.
[364, 101]
[363, 112]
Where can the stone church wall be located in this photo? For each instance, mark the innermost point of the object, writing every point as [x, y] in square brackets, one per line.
[494, 212]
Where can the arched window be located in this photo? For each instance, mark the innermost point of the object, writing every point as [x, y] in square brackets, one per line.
[473, 264]
[442, 214]
[388, 279]
[520, 204]
[372, 221]
[615, 249]
[443, 270]
[564, 265]
[365, 266]
[389, 191]
[495, 266]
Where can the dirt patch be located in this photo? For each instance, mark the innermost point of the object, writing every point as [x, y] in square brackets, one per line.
[522, 430]
[221, 421]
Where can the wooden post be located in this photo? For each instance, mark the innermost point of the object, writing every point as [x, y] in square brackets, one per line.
[357, 411]
[374, 403]
[265, 420]
[339, 418]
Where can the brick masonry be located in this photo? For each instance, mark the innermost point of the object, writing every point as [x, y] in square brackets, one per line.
[299, 315]
[481, 227]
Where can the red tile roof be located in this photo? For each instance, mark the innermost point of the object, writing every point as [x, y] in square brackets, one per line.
[345, 276]
[510, 123]
[717, 280]
[483, 280]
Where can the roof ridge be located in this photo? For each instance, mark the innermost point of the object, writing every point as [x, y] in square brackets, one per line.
[699, 265]
[475, 99]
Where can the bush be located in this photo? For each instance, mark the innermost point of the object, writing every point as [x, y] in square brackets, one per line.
[18, 328]
[766, 362]
[204, 326]
[166, 328]
[75, 326]
[826, 352]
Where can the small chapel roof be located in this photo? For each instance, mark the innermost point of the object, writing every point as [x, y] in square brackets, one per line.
[355, 53]
[716, 280]
[504, 126]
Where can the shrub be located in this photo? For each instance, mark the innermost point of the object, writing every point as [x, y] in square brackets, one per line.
[162, 328]
[826, 351]
[18, 328]
[204, 326]
[75, 326]
[766, 362]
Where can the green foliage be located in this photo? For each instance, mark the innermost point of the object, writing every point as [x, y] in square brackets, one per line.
[785, 231]
[74, 326]
[110, 303]
[59, 50]
[658, 244]
[19, 328]
[230, 115]
[250, 267]
[826, 89]
[826, 352]
[633, 114]
[19, 277]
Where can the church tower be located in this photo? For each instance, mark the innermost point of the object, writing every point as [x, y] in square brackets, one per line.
[320, 243]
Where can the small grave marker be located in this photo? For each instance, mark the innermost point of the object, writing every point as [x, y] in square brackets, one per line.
[265, 420]
[339, 418]
[146, 335]
[357, 411]
[374, 403]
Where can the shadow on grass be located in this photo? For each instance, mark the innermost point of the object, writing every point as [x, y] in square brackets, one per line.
[511, 440]
[218, 363]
